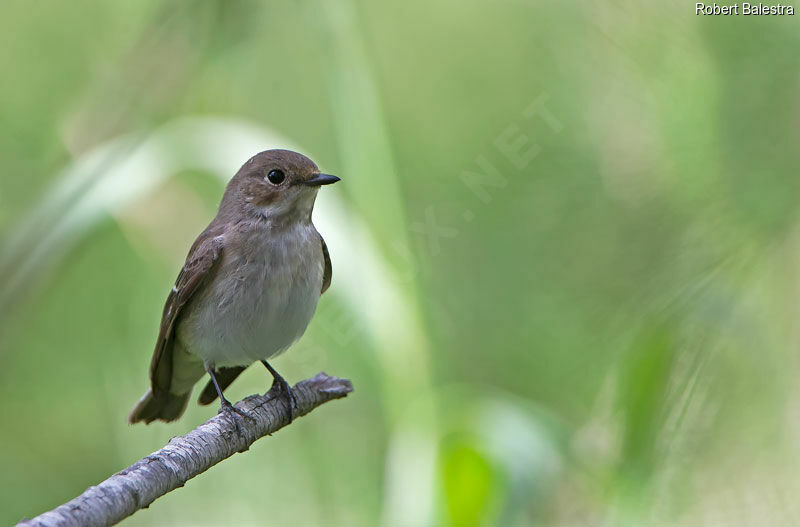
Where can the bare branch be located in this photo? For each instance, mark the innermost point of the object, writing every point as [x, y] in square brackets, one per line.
[186, 456]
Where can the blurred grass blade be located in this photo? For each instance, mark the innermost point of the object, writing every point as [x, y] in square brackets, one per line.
[374, 187]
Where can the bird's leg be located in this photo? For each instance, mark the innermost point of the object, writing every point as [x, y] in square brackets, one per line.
[227, 408]
[281, 387]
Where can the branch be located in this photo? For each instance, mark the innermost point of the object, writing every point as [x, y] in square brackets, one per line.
[184, 457]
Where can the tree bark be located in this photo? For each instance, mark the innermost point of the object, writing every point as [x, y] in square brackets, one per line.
[186, 456]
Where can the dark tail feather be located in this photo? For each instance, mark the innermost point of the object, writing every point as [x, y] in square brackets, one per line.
[166, 407]
[225, 376]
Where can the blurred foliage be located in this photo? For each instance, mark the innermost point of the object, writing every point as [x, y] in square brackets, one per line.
[468, 481]
[586, 215]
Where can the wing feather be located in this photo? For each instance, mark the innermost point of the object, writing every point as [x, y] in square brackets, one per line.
[327, 274]
[205, 252]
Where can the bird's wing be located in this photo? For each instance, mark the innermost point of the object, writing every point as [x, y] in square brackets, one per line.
[205, 252]
[328, 272]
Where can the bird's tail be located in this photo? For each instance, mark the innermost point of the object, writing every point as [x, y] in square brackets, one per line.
[164, 406]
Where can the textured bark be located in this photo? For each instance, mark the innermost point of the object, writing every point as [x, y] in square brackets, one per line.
[184, 457]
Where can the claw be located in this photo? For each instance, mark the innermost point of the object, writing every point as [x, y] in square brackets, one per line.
[234, 414]
[230, 411]
[280, 388]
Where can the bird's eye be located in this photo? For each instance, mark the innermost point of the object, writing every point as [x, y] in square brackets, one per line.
[276, 177]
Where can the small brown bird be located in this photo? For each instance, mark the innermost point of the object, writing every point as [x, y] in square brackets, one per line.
[248, 289]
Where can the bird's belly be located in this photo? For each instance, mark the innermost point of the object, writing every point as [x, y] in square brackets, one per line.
[255, 314]
[261, 328]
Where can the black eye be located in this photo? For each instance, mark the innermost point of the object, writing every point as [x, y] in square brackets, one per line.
[276, 177]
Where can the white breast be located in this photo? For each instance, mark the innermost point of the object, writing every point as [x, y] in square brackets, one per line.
[261, 300]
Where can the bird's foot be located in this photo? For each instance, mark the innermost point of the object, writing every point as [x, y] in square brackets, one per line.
[235, 415]
[281, 388]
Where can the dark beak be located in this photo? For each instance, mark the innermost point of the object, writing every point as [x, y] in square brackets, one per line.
[320, 179]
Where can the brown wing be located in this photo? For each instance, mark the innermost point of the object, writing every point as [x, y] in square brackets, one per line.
[328, 272]
[202, 256]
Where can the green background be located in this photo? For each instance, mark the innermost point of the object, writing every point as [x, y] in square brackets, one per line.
[566, 289]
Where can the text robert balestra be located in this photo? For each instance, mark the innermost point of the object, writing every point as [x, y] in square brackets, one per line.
[743, 9]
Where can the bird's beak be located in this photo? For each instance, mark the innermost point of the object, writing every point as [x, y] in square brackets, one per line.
[320, 179]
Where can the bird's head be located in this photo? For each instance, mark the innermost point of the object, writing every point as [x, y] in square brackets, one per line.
[276, 185]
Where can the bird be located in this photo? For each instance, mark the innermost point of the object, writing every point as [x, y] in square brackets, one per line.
[247, 291]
